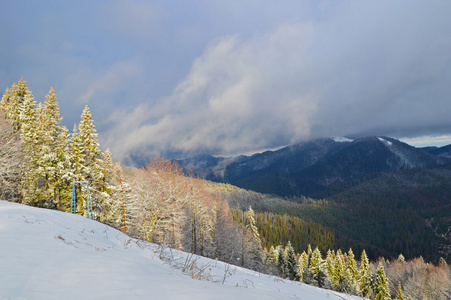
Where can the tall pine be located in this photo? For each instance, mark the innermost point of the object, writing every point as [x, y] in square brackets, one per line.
[365, 280]
[88, 165]
[381, 289]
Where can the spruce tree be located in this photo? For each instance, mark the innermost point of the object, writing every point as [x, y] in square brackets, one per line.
[316, 268]
[53, 156]
[329, 266]
[291, 266]
[29, 137]
[352, 266]
[365, 281]
[92, 165]
[381, 289]
[12, 101]
[303, 264]
[281, 261]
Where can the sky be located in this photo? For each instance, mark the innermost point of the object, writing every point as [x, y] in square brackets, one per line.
[178, 78]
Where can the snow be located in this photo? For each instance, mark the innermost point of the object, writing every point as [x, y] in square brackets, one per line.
[48, 254]
[386, 142]
[341, 139]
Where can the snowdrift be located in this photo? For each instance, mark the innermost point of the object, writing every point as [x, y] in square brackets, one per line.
[46, 254]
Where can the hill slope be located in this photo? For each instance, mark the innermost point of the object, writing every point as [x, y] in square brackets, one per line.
[312, 167]
[53, 255]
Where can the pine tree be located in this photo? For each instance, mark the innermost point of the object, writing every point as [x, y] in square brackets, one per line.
[381, 289]
[253, 244]
[352, 265]
[316, 268]
[30, 172]
[329, 266]
[53, 154]
[303, 270]
[291, 266]
[12, 101]
[281, 261]
[365, 280]
[352, 272]
[92, 165]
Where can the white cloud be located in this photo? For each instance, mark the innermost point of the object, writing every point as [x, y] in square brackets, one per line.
[236, 98]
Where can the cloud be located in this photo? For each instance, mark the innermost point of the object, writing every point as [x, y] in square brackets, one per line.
[351, 74]
[239, 96]
[187, 76]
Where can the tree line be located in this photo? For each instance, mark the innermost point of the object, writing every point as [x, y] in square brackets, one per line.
[382, 280]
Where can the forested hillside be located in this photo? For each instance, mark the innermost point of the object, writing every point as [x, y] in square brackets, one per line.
[43, 165]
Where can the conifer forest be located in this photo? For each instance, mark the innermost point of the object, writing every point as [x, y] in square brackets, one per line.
[44, 164]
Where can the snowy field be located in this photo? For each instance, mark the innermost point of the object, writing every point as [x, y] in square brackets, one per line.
[46, 254]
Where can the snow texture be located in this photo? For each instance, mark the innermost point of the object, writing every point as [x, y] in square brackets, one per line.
[341, 139]
[386, 142]
[48, 254]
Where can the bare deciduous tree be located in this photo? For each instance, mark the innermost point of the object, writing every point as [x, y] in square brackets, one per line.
[11, 158]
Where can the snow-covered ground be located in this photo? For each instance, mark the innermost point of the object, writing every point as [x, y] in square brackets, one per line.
[46, 254]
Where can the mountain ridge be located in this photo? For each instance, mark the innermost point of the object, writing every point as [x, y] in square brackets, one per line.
[311, 167]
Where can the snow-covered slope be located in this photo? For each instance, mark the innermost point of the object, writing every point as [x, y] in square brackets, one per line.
[47, 254]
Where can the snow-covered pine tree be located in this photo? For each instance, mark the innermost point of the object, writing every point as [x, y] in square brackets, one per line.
[381, 289]
[77, 159]
[303, 264]
[92, 166]
[352, 267]
[339, 278]
[365, 280]
[251, 225]
[329, 267]
[291, 266]
[30, 172]
[281, 261]
[115, 208]
[254, 250]
[12, 101]
[317, 268]
[53, 156]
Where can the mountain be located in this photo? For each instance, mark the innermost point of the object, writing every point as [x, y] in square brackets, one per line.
[444, 151]
[311, 167]
[48, 254]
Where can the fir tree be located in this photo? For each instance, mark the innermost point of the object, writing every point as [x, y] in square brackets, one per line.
[54, 161]
[316, 268]
[12, 101]
[92, 165]
[365, 280]
[329, 266]
[30, 172]
[281, 261]
[303, 264]
[291, 266]
[352, 265]
[381, 289]
[250, 225]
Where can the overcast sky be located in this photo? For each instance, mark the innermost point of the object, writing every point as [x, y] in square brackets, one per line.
[230, 77]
